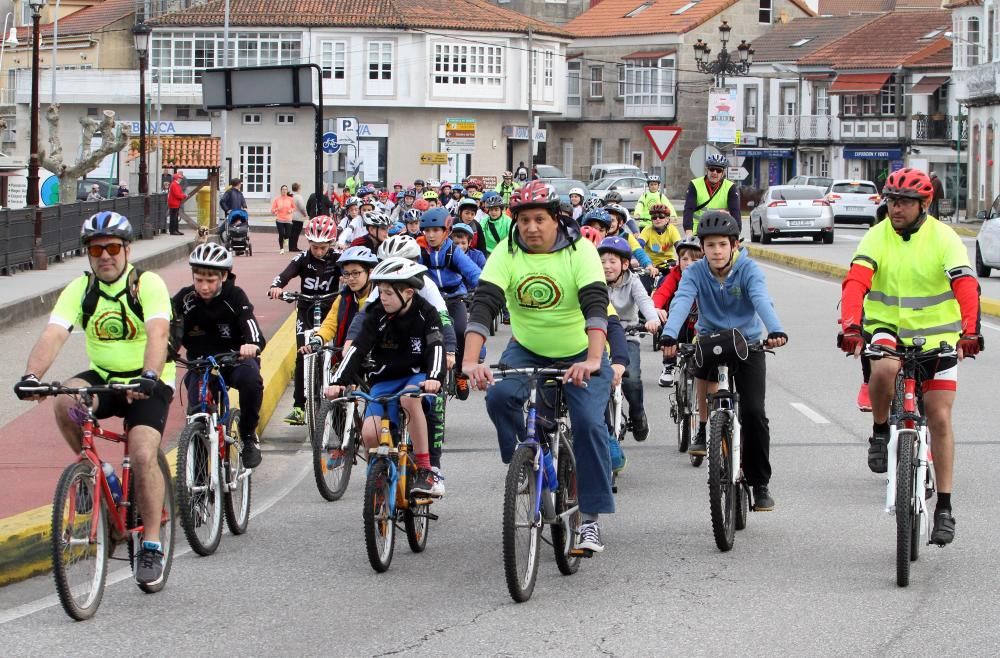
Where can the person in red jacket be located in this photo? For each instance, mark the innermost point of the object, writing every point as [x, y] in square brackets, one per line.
[175, 198]
[688, 252]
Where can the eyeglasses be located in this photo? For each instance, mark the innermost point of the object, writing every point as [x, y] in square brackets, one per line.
[657, 215]
[353, 275]
[717, 170]
[113, 249]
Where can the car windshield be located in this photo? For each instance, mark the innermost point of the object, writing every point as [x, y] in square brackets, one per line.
[854, 188]
[564, 185]
[602, 184]
[797, 194]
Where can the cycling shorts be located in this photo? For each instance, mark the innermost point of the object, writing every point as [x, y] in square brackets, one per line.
[389, 387]
[937, 373]
[151, 412]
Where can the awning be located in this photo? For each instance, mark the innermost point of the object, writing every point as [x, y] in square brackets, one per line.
[859, 83]
[654, 54]
[929, 84]
[817, 77]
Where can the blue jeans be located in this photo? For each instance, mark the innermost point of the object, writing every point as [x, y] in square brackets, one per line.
[632, 385]
[505, 405]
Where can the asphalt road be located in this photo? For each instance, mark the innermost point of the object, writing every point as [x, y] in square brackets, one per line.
[814, 577]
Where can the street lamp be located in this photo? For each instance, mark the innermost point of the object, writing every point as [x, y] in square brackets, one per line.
[141, 33]
[724, 64]
[41, 261]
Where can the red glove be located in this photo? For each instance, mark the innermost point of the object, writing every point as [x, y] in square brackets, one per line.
[850, 340]
[971, 344]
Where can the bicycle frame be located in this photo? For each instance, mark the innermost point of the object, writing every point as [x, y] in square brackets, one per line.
[215, 417]
[726, 401]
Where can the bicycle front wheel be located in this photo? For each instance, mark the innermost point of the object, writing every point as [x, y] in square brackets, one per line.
[198, 497]
[332, 459]
[238, 479]
[567, 498]
[380, 523]
[167, 516]
[521, 525]
[80, 541]
[721, 498]
[312, 384]
[905, 510]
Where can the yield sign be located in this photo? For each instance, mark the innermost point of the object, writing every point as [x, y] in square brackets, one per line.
[662, 138]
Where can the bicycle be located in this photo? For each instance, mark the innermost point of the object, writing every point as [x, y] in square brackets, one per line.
[728, 491]
[683, 401]
[337, 446]
[391, 469]
[88, 516]
[619, 422]
[314, 370]
[910, 477]
[211, 479]
[531, 498]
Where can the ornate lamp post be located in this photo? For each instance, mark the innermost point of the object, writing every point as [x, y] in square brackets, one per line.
[141, 33]
[724, 63]
[41, 261]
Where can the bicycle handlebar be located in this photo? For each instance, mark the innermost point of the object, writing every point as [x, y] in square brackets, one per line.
[408, 392]
[220, 359]
[298, 296]
[55, 388]
[874, 351]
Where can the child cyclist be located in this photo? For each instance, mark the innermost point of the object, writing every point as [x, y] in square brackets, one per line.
[355, 264]
[658, 241]
[411, 218]
[496, 223]
[215, 315]
[629, 299]
[688, 251]
[402, 332]
[317, 267]
[461, 235]
[731, 294]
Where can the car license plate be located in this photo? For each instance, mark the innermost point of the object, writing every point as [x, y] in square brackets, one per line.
[855, 208]
[800, 222]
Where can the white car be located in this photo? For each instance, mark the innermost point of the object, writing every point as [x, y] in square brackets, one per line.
[792, 211]
[854, 201]
[988, 240]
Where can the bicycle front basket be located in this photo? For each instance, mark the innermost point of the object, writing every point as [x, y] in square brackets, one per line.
[720, 348]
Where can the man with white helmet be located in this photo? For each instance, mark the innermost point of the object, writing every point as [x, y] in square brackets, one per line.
[713, 191]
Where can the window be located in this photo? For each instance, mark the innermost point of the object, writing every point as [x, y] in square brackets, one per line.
[972, 41]
[180, 57]
[750, 107]
[789, 101]
[333, 59]
[887, 98]
[849, 105]
[821, 100]
[596, 83]
[991, 30]
[255, 169]
[764, 12]
[638, 10]
[686, 7]
[25, 13]
[625, 147]
[869, 104]
[183, 112]
[469, 64]
[251, 119]
[284, 118]
[621, 82]
[596, 151]
[824, 165]
[380, 60]
[649, 83]
[573, 84]
[801, 42]
[92, 112]
[548, 68]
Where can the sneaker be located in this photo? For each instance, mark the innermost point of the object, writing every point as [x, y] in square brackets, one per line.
[423, 483]
[762, 501]
[618, 465]
[296, 417]
[667, 376]
[462, 387]
[698, 447]
[640, 428]
[251, 451]
[944, 527]
[878, 454]
[590, 537]
[437, 491]
[864, 402]
[149, 564]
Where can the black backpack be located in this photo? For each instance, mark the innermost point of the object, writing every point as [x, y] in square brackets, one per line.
[92, 294]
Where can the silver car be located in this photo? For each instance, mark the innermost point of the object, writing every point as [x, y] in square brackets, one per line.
[630, 187]
[792, 211]
[854, 201]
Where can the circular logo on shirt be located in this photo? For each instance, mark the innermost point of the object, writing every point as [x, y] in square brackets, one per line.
[538, 291]
[112, 325]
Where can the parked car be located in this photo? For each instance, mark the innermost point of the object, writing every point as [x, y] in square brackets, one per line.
[629, 186]
[988, 240]
[854, 201]
[83, 185]
[605, 170]
[564, 185]
[548, 171]
[792, 211]
[818, 181]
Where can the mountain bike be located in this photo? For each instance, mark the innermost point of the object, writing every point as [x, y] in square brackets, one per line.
[315, 367]
[211, 478]
[620, 423]
[388, 499]
[531, 497]
[910, 478]
[88, 516]
[684, 401]
[337, 446]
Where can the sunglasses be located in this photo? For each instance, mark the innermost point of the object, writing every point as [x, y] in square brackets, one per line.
[717, 170]
[113, 249]
[657, 215]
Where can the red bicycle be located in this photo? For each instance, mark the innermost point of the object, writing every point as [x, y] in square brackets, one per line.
[89, 516]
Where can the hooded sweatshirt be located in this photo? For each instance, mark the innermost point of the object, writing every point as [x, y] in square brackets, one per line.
[629, 297]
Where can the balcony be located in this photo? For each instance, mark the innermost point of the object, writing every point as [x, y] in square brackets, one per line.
[937, 127]
[871, 129]
[99, 87]
[650, 111]
[814, 128]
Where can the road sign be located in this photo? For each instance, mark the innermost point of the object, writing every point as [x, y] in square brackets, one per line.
[737, 173]
[330, 143]
[662, 138]
[698, 157]
[434, 158]
[459, 144]
[347, 130]
[460, 128]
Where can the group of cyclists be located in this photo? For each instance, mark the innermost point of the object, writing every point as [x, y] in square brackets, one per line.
[419, 276]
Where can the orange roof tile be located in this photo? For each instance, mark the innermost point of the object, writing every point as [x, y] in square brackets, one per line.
[183, 152]
[884, 43]
[91, 19]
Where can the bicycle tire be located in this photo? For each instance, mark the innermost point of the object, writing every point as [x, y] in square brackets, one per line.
[520, 486]
[167, 535]
[312, 372]
[201, 510]
[742, 506]
[380, 527]
[80, 598]
[904, 511]
[566, 498]
[239, 482]
[720, 482]
[332, 482]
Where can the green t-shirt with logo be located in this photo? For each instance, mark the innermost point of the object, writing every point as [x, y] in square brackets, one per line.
[542, 292]
[116, 343]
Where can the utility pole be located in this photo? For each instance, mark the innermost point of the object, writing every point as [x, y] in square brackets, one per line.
[531, 106]
[223, 180]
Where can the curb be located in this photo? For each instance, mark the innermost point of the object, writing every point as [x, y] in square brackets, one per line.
[25, 538]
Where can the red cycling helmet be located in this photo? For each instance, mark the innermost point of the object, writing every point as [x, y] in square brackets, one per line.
[592, 234]
[535, 194]
[909, 184]
[321, 229]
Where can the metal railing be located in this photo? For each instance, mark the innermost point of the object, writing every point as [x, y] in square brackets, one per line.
[938, 127]
[806, 127]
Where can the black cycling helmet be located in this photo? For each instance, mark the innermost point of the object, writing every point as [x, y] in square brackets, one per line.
[717, 222]
[613, 196]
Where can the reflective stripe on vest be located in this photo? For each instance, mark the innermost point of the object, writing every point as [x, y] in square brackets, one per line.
[916, 303]
[719, 202]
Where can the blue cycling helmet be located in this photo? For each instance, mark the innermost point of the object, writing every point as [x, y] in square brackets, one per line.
[410, 192]
[366, 190]
[361, 255]
[106, 223]
[615, 245]
[457, 188]
[412, 215]
[397, 228]
[462, 227]
[717, 160]
[435, 218]
[597, 215]
[493, 200]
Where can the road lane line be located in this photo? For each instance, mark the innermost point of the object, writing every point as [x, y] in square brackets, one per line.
[809, 413]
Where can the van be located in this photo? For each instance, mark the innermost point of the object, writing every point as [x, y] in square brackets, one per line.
[614, 169]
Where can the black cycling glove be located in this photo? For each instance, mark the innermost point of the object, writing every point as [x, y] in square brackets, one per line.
[146, 385]
[20, 388]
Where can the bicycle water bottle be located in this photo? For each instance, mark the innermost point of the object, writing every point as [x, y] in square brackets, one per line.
[113, 482]
[551, 480]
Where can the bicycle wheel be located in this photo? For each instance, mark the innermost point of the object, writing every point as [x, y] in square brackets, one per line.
[238, 479]
[312, 383]
[80, 541]
[415, 519]
[380, 524]
[742, 505]
[566, 499]
[167, 517]
[332, 464]
[721, 498]
[685, 418]
[199, 501]
[905, 508]
[521, 525]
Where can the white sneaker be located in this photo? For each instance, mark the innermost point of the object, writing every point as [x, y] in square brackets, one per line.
[667, 376]
[590, 537]
[437, 491]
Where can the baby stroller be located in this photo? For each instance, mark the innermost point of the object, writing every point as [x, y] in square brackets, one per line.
[236, 233]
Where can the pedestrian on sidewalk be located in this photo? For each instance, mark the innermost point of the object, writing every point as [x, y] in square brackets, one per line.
[299, 216]
[938, 194]
[282, 207]
[95, 193]
[175, 199]
[232, 198]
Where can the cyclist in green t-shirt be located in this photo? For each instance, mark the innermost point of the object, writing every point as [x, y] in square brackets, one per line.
[126, 320]
[553, 284]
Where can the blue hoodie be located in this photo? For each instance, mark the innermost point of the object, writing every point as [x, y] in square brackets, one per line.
[742, 302]
[453, 274]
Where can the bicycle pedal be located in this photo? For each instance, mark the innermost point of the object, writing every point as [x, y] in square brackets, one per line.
[581, 552]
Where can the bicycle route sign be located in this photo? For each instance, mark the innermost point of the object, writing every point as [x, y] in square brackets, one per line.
[330, 143]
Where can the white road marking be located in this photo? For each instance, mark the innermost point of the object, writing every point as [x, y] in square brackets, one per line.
[852, 238]
[809, 413]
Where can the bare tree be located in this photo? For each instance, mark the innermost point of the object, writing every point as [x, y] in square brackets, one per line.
[89, 159]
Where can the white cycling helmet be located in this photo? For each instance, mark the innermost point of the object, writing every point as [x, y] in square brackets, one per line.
[399, 270]
[376, 218]
[360, 255]
[577, 191]
[403, 246]
[211, 256]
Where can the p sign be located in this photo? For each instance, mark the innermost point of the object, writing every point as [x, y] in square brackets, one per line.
[347, 129]
[330, 143]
